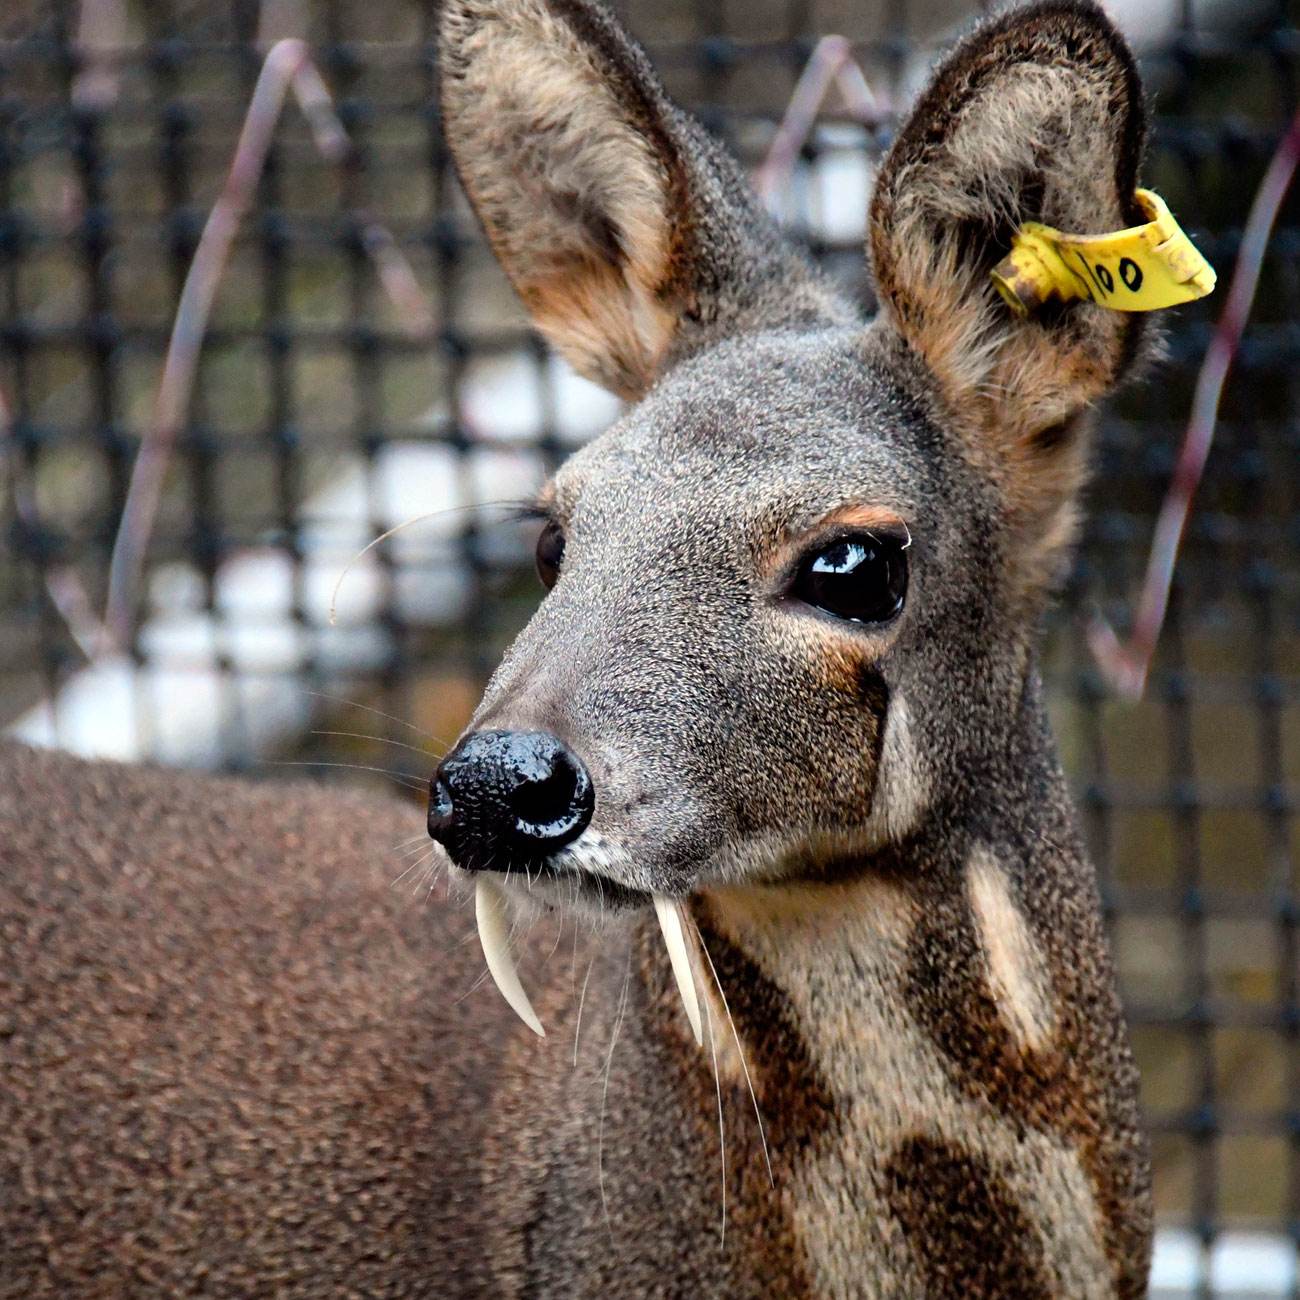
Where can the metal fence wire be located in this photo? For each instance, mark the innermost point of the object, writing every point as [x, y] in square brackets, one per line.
[364, 362]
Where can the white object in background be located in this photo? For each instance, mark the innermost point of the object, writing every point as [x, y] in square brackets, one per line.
[225, 682]
[1238, 1266]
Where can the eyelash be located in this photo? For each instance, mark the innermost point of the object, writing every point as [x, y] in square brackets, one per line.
[528, 512]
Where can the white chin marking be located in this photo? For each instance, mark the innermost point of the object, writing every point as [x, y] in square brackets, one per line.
[494, 935]
[670, 922]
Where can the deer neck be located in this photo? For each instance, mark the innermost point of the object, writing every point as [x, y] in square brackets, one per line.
[936, 1027]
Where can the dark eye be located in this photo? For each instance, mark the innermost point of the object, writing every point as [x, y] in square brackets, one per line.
[550, 551]
[863, 579]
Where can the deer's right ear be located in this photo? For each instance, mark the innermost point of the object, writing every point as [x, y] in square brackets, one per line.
[618, 219]
[1038, 116]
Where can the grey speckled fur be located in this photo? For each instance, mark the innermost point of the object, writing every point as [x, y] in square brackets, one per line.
[235, 1062]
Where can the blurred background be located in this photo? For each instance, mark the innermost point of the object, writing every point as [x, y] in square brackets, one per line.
[182, 489]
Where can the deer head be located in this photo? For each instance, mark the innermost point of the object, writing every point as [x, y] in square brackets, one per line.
[794, 591]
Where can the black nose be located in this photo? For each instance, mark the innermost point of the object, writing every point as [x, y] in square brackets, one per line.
[502, 797]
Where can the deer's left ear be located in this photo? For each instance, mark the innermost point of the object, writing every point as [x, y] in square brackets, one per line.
[1038, 116]
[630, 234]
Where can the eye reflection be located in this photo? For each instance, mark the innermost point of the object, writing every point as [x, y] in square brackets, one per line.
[861, 578]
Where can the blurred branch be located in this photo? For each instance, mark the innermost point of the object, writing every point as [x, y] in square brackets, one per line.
[830, 64]
[1127, 665]
[288, 65]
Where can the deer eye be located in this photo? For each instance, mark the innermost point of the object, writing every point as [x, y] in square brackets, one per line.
[861, 578]
[550, 551]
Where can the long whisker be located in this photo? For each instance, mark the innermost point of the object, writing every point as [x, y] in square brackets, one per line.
[559, 934]
[414, 866]
[604, 1096]
[402, 845]
[429, 875]
[722, 1133]
[383, 740]
[483, 976]
[402, 778]
[415, 847]
[366, 708]
[434, 876]
[427, 868]
[398, 528]
[744, 1065]
[582, 997]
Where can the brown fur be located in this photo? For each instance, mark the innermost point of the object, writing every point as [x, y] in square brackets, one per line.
[223, 1069]
[1056, 1086]
[957, 1210]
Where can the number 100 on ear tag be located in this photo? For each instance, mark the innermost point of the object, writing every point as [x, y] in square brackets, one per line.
[1143, 268]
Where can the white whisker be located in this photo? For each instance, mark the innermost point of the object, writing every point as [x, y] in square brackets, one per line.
[582, 997]
[392, 532]
[379, 713]
[415, 848]
[434, 877]
[722, 1133]
[744, 1065]
[410, 839]
[604, 1095]
[559, 934]
[479, 980]
[430, 870]
[414, 867]
[383, 740]
[406, 779]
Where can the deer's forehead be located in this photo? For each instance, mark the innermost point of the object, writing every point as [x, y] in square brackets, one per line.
[734, 492]
[761, 430]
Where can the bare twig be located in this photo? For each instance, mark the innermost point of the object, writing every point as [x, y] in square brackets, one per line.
[192, 312]
[830, 64]
[287, 65]
[1127, 665]
[395, 272]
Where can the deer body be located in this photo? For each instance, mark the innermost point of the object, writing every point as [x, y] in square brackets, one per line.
[226, 1073]
[784, 686]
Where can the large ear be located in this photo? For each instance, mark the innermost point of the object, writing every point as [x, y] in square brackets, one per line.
[1037, 116]
[626, 230]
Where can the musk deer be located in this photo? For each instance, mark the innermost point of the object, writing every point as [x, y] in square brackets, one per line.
[780, 705]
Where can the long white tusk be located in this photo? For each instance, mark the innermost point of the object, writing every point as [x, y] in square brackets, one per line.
[494, 935]
[670, 922]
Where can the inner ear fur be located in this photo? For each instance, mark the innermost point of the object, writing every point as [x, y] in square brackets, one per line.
[1037, 116]
[565, 160]
[620, 222]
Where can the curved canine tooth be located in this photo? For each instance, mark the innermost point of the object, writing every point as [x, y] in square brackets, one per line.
[494, 935]
[670, 922]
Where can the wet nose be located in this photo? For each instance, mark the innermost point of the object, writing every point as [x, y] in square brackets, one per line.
[501, 797]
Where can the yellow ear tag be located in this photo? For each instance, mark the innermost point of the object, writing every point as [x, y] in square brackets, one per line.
[1143, 268]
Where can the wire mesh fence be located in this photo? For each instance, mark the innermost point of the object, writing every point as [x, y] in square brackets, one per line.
[364, 363]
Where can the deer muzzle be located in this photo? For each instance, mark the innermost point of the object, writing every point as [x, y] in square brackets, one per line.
[505, 799]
